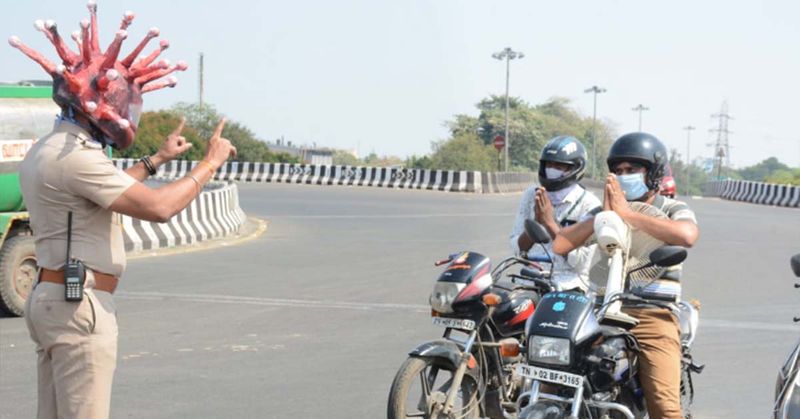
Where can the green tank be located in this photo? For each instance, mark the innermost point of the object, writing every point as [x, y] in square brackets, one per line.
[27, 113]
[11, 197]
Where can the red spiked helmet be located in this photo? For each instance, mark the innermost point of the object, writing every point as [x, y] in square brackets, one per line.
[94, 84]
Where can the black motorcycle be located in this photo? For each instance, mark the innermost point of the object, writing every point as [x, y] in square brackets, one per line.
[469, 372]
[580, 364]
[787, 389]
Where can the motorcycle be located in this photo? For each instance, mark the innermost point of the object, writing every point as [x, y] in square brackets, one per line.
[787, 388]
[469, 372]
[580, 352]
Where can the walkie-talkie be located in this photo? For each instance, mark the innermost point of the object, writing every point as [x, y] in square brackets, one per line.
[74, 271]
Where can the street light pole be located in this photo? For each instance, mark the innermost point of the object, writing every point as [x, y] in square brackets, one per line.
[595, 90]
[507, 54]
[688, 129]
[640, 108]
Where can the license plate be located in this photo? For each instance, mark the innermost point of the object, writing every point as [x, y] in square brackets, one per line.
[551, 376]
[463, 324]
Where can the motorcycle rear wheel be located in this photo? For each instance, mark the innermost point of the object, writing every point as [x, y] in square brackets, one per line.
[420, 378]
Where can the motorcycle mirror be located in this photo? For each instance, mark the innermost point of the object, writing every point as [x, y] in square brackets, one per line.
[536, 232]
[666, 256]
[796, 265]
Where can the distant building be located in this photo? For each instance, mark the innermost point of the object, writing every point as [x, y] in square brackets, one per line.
[307, 155]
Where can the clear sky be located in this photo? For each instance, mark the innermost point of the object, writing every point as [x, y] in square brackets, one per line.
[383, 76]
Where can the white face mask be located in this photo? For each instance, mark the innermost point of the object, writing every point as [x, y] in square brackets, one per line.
[551, 173]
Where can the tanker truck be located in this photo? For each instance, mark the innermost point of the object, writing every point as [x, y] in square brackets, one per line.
[27, 112]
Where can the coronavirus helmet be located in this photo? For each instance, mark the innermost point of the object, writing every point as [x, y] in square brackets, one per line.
[96, 84]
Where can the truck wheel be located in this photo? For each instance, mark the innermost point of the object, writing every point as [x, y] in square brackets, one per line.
[17, 273]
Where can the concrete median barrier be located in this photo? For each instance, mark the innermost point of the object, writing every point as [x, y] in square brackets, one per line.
[382, 177]
[214, 214]
[755, 192]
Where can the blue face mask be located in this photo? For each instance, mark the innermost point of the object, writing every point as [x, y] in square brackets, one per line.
[632, 185]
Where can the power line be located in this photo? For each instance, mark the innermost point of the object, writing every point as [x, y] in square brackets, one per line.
[722, 148]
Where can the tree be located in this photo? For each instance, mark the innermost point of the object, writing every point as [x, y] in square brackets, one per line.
[763, 170]
[341, 157]
[248, 148]
[785, 177]
[530, 127]
[463, 152]
[153, 129]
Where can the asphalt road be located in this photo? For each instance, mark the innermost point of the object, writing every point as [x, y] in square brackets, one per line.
[313, 319]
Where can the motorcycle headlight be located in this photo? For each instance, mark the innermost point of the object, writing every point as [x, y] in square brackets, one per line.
[547, 350]
[443, 295]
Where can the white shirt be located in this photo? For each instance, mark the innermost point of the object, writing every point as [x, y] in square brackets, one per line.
[575, 205]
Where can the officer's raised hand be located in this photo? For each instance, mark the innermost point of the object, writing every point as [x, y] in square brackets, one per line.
[219, 148]
[174, 145]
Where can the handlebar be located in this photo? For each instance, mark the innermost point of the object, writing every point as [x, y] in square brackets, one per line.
[636, 299]
[540, 258]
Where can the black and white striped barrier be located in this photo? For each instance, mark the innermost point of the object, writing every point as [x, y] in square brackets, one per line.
[439, 180]
[755, 192]
[215, 213]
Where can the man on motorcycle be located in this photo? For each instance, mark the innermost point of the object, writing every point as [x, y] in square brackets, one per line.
[637, 163]
[559, 202]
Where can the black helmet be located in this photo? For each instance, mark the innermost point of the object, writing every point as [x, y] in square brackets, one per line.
[567, 150]
[642, 148]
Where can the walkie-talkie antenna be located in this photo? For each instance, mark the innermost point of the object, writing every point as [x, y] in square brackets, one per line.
[69, 235]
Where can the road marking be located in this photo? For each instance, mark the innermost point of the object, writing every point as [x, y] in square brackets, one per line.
[362, 306]
[282, 302]
[744, 325]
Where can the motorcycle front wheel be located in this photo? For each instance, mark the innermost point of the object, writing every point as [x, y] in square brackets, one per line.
[420, 388]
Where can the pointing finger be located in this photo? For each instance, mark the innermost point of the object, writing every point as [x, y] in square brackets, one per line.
[218, 130]
[180, 127]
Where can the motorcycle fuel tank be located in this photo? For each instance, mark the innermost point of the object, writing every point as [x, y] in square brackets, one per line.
[513, 311]
[563, 315]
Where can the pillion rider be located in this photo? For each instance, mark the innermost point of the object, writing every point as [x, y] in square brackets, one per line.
[559, 202]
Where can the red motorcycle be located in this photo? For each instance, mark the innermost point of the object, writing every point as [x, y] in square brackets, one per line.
[470, 371]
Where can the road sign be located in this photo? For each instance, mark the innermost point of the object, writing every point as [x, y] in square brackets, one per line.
[499, 142]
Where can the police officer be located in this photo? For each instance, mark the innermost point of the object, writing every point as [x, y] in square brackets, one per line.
[559, 202]
[637, 163]
[67, 171]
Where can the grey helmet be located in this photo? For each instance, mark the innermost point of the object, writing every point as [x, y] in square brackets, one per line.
[642, 148]
[563, 149]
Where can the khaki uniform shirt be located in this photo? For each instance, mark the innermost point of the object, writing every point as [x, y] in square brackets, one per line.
[68, 171]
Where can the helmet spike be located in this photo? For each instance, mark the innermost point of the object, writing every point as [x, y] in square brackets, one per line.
[157, 74]
[51, 32]
[113, 50]
[152, 33]
[170, 81]
[86, 42]
[46, 64]
[127, 19]
[92, 6]
[146, 61]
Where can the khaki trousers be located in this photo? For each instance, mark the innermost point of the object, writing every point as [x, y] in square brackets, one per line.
[658, 333]
[76, 346]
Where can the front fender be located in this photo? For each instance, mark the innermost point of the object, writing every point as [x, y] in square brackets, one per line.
[443, 350]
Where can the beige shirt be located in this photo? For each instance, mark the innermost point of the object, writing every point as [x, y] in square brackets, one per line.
[67, 171]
